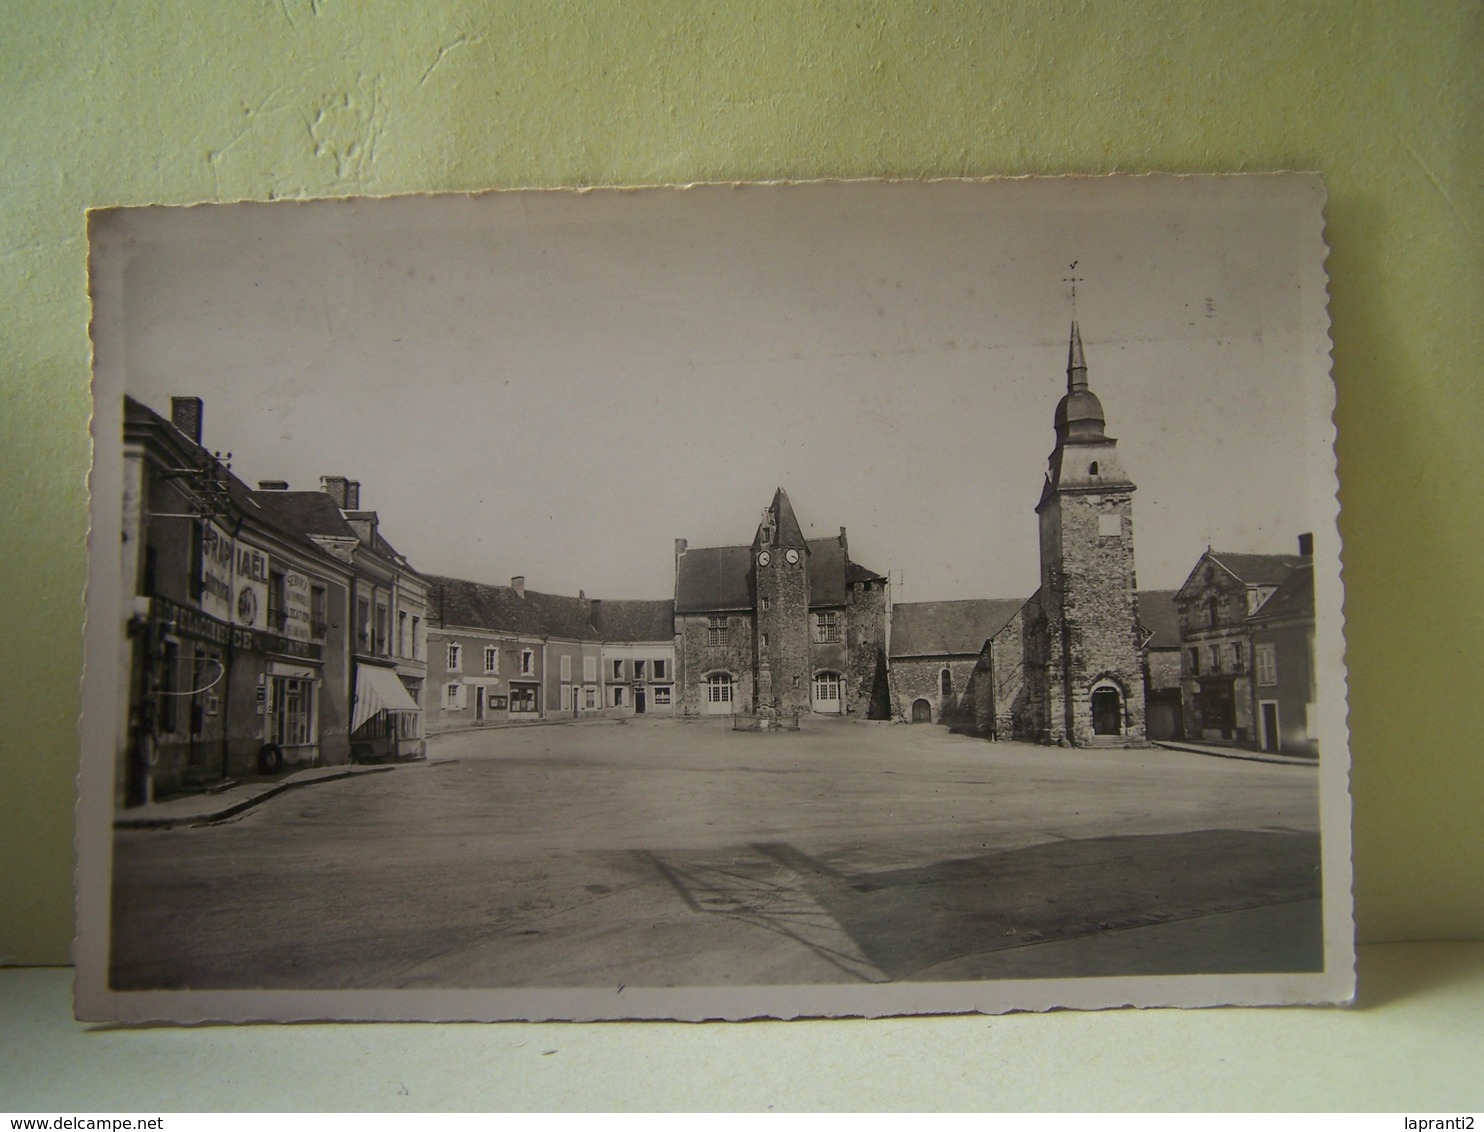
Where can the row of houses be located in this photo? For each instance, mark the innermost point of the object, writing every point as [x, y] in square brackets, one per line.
[264, 627]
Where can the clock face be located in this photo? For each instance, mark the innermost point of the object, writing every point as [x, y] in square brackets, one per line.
[793, 557]
[764, 558]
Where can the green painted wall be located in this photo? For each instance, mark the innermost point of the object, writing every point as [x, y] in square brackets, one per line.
[180, 102]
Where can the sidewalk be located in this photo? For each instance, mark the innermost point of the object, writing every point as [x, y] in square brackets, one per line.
[1241, 753]
[201, 809]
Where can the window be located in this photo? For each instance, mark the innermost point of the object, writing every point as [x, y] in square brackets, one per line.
[401, 632]
[1195, 662]
[765, 640]
[716, 631]
[945, 682]
[527, 663]
[491, 658]
[638, 670]
[1237, 658]
[453, 697]
[1092, 469]
[618, 670]
[718, 688]
[662, 697]
[1266, 659]
[765, 604]
[363, 623]
[382, 626]
[589, 670]
[566, 664]
[660, 672]
[319, 616]
[417, 625]
[523, 699]
[589, 697]
[277, 614]
[455, 658]
[1215, 658]
[827, 623]
[618, 695]
[827, 687]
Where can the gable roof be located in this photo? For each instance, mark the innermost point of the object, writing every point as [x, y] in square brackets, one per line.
[634, 620]
[948, 628]
[1160, 619]
[475, 605]
[1294, 598]
[305, 513]
[1257, 569]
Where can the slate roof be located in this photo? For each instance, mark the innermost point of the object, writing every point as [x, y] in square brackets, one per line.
[718, 579]
[304, 513]
[634, 620]
[455, 602]
[1158, 615]
[1258, 569]
[714, 579]
[1294, 598]
[949, 628]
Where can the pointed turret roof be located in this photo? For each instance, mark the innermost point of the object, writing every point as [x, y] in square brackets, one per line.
[1079, 415]
[786, 529]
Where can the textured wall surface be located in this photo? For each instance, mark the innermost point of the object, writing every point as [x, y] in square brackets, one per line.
[181, 102]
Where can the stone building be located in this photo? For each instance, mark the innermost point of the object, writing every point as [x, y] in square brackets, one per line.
[1222, 591]
[1285, 687]
[1164, 715]
[936, 648]
[783, 626]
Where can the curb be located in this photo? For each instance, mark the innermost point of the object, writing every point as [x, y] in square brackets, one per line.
[165, 821]
[1236, 753]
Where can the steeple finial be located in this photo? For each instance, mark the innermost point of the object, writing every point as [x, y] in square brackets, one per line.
[1076, 364]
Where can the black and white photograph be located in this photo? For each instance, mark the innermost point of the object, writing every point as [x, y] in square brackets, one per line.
[715, 602]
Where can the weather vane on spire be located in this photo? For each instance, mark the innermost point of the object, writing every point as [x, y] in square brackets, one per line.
[1074, 279]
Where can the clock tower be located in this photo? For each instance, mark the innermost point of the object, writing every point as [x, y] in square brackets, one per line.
[780, 560]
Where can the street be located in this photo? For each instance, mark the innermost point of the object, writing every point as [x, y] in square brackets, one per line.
[657, 852]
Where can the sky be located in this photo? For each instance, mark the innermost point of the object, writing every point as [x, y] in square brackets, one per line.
[559, 384]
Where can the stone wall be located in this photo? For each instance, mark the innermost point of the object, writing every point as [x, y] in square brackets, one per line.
[695, 658]
[867, 693]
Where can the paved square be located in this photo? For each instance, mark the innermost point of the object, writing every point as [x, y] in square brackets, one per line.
[673, 853]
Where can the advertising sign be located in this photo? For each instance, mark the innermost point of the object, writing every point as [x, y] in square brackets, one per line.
[250, 582]
[216, 572]
[296, 606]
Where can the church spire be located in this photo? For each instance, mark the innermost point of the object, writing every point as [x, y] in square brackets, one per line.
[1076, 364]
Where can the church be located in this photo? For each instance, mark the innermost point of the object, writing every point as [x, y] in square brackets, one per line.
[1068, 665]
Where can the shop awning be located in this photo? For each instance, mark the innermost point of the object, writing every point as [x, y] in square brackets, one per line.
[377, 690]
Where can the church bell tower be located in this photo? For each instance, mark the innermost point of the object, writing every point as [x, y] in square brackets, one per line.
[1094, 678]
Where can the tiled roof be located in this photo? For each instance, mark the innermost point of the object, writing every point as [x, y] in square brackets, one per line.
[948, 628]
[634, 620]
[304, 513]
[1258, 569]
[1158, 615]
[826, 572]
[1294, 598]
[454, 602]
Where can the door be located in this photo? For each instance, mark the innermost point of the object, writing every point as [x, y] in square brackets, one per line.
[639, 701]
[1270, 737]
[922, 711]
[827, 693]
[1107, 712]
[478, 704]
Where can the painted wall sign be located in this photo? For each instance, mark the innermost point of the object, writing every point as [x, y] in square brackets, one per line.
[296, 606]
[216, 571]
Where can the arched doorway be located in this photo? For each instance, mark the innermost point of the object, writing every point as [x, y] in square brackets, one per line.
[719, 694]
[827, 692]
[1107, 711]
[922, 711]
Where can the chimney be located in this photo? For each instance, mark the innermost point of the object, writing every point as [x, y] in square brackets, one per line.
[680, 546]
[335, 487]
[273, 485]
[185, 414]
[352, 495]
[595, 613]
[845, 546]
[1306, 545]
[518, 584]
